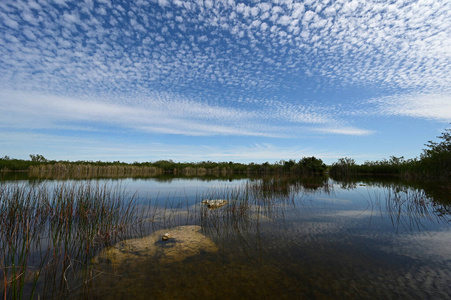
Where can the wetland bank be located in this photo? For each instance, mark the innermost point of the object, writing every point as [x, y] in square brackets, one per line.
[276, 237]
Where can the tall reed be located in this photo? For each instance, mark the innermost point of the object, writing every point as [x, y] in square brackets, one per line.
[53, 230]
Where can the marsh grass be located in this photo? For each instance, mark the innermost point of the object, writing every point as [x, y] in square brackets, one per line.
[252, 210]
[409, 209]
[49, 233]
[87, 171]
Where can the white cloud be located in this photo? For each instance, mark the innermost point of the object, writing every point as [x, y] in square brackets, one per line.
[167, 116]
[71, 18]
[308, 16]
[345, 130]
[428, 106]
[163, 3]
[264, 7]
[10, 22]
[61, 2]
[29, 34]
[285, 20]
[164, 113]
[298, 10]
[20, 144]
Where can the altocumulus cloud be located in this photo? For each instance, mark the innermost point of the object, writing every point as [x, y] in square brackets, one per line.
[221, 67]
[173, 44]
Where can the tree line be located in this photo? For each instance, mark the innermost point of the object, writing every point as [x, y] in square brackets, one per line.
[38, 164]
[434, 161]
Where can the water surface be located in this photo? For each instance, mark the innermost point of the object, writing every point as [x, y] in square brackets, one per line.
[288, 238]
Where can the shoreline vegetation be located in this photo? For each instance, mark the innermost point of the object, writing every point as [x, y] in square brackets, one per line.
[40, 167]
[434, 162]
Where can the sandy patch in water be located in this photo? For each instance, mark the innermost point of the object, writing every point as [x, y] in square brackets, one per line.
[184, 242]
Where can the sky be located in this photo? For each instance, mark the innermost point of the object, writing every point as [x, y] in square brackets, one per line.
[223, 80]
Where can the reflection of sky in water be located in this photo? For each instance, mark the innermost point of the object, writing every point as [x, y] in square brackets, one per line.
[191, 190]
[384, 242]
[367, 241]
[363, 207]
[173, 189]
[426, 245]
[361, 215]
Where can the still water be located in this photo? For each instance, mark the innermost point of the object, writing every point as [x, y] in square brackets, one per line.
[279, 238]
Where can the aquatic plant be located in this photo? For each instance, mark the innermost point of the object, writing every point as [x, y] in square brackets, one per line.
[48, 230]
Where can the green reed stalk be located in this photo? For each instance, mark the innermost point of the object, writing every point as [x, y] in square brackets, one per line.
[69, 223]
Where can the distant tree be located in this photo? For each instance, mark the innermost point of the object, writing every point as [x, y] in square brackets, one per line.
[436, 159]
[442, 147]
[344, 166]
[396, 160]
[347, 161]
[311, 165]
[288, 165]
[37, 158]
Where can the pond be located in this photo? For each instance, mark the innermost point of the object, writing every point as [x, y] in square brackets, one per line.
[276, 237]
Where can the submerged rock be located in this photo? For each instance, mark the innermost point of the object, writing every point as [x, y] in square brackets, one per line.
[185, 241]
[214, 203]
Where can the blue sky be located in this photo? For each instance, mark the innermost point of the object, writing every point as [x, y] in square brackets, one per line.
[223, 80]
